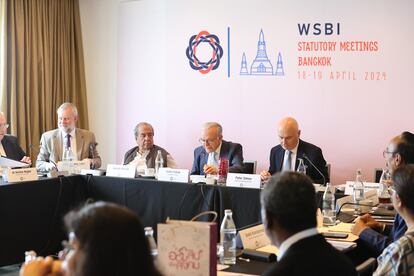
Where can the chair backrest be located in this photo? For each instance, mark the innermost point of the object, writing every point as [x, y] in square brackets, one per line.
[377, 175]
[250, 167]
[367, 268]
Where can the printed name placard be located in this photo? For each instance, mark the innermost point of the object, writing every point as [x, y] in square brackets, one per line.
[243, 180]
[127, 171]
[349, 187]
[73, 167]
[173, 175]
[254, 237]
[20, 175]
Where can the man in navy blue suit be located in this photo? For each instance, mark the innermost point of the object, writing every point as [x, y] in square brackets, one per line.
[286, 155]
[214, 148]
[377, 236]
[288, 212]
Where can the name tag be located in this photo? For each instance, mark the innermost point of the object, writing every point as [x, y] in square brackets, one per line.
[19, 175]
[173, 175]
[127, 171]
[243, 180]
[73, 167]
[349, 187]
[254, 237]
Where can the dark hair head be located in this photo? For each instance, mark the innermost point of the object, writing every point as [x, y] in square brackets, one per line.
[112, 240]
[405, 147]
[289, 200]
[403, 179]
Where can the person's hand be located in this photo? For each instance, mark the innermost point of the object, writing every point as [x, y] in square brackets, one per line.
[42, 267]
[364, 222]
[264, 175]
[210, 169]
[27, 160]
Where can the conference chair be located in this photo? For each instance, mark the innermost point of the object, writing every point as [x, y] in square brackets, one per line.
[377, 174]
[250, 167]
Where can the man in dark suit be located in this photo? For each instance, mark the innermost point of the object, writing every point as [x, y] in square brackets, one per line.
[214, 148]
[9, 144]
[377, 236]
[289, 217]
[285, 156]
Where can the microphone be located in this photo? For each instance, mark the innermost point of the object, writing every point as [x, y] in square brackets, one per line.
[316, 168]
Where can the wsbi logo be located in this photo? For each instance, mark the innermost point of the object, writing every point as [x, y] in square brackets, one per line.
[319, 28]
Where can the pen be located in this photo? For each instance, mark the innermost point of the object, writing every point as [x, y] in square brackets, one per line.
[244, 259]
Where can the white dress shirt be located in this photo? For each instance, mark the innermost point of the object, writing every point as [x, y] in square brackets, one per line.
[293, 155]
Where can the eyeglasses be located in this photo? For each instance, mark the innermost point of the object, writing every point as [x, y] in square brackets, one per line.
[207, 141]
[386, 152]
[4, 126]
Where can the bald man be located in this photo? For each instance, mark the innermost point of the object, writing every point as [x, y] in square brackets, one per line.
[9, 145]
[284, 157]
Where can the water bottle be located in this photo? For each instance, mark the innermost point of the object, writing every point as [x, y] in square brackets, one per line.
[384, 196]
[68, 156]
[301, 167]
[149, 233]
[358, 192]
[328, 206]
[159, 162]
[228, 239]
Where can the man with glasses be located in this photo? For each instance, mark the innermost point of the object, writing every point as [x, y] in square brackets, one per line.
[9, 146]
[143, 155]
[214, 148]
[376, 235]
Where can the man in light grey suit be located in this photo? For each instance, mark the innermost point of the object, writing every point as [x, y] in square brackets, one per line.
[53, 143]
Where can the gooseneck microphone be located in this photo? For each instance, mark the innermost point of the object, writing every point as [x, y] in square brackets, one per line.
[316, 168]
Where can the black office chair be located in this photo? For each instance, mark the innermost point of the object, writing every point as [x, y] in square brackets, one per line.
[250, 167]
[367, 268]
[377, 175]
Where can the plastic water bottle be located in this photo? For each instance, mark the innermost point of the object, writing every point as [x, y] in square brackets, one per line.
[159, 162]
[69, 157]
[301, 167]
[228, 239]
[358, 192]
[149, 233]
[328, 206]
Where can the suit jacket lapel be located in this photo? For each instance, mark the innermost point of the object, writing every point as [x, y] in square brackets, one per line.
[224, 151]
[279, 158]
[57, 142]
[79, 144]
[299, 154]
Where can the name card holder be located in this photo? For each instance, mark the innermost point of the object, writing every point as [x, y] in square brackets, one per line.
[19, 175]
[254, 237]
[349, 187]
[73, 167]
[173, 175]
[127, 171]
[243, 180]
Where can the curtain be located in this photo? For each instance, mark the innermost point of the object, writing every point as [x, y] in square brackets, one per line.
[2, 49]
[45, 67]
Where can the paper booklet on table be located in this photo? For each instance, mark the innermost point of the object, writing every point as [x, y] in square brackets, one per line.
[10, 163]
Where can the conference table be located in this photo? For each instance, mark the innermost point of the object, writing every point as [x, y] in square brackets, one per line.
[31, 213]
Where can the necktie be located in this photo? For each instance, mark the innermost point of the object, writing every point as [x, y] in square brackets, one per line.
[287, 162]
[68, 140]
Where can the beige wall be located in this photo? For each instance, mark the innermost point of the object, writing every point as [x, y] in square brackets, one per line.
[99, 19]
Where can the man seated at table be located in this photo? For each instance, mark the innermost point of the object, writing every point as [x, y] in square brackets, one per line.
[143, 155]
[289, 216]
[53, 143]
[398, 257]
[9, 146]
[214, 148]
[376, 235]
[284, 157]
